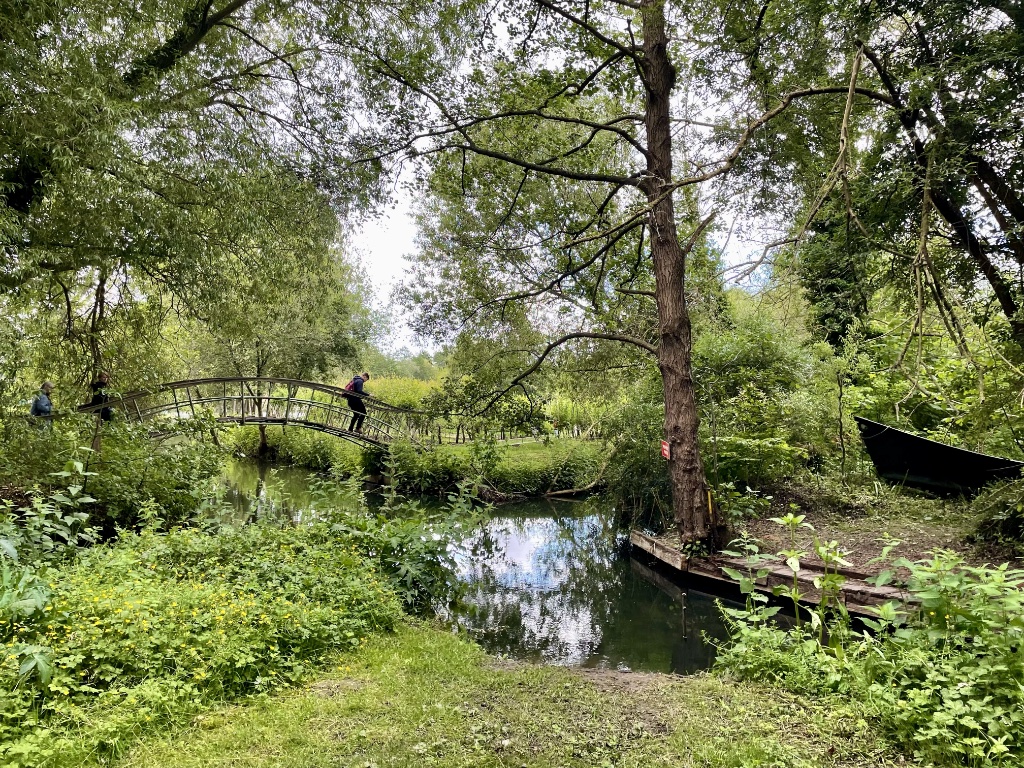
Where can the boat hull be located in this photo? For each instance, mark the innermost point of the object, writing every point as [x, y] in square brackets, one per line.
[917, 462]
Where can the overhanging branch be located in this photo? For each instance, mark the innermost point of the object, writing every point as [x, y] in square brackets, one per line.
[555, 345]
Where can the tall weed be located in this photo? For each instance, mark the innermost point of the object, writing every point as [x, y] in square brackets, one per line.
[941, 675]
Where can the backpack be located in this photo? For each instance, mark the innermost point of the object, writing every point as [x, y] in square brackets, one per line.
[351, 386]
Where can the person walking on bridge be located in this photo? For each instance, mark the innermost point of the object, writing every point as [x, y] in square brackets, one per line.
[355, 401]
[42, 406]
[100, 396]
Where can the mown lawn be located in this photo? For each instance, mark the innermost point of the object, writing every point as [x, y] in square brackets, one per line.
[425, 697]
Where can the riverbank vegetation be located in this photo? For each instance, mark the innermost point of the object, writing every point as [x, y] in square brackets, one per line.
[731, 227]
[103, 644]
[939, 671]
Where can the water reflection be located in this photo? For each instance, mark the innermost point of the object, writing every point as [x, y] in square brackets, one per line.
[559, 587]
[261, 491]
[550, 582]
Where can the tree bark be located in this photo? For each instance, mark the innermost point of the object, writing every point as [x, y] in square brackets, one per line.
[690, 501]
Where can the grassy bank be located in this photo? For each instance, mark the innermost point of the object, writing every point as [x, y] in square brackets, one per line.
[425, 697]
[502, 470]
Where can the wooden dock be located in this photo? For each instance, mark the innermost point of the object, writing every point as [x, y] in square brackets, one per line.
[856, 594]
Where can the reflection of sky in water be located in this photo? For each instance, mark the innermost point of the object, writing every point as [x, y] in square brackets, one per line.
[521, 594]
[548, 582]
[559, 588]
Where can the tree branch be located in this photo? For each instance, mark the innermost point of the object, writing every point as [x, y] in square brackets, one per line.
[555, 345]
[196, 24]
[632, 52]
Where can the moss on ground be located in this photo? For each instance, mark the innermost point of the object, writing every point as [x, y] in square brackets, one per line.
[425, 697]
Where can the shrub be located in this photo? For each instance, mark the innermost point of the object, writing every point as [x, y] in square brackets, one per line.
[163, 623]
[130, 636]
[132, 470]
[1000, 512]
[427, 472]
[755, 460]
[942, 679]
[529, 469]
[637, 475]
[533, 469]
[301, 447]
[401, 391]
[947, 682]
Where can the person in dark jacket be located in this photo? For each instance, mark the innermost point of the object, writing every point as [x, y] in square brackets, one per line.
[42, 405]
[100, 396]
[355, 401]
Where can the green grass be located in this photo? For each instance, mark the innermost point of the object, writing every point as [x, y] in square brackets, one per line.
[533, 469]
[537, 453]
[425, 697]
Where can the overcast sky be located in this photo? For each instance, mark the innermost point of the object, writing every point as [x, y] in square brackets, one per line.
[382, 246]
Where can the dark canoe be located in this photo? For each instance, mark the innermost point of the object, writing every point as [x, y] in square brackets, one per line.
[918, 462]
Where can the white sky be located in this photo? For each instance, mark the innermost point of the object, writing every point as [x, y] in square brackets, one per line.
[383, 245]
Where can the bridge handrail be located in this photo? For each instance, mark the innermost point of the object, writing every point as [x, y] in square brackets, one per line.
[329, 389]
[266, 418]
[388, 421]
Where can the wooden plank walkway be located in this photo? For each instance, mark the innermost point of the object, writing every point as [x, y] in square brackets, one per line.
[856, 594]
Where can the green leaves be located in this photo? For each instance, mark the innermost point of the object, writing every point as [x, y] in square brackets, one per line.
[36, 664]
[141, 633]
[941, 674]
[23, 597]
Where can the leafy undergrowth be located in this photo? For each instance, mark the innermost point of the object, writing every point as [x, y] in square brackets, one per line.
[528, 469]
[939, 674]
[868, 520]
[425, 697]
[103, 645]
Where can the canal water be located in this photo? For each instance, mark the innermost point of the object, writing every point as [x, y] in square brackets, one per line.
[546, 581]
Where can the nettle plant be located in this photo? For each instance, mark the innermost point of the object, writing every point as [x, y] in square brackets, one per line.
[945, 677]
[940, 673]
[51, 527]
[826, 581]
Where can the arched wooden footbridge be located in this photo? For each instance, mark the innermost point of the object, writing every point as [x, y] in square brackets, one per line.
[272, 401]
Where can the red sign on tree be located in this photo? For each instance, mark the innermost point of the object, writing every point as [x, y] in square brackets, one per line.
[666, 450]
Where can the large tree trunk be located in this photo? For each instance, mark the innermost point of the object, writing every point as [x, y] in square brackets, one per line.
[690, 501]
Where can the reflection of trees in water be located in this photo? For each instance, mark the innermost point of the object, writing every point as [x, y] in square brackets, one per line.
[260, 491]
[256, 492]
[549, 585]
[542, 592]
